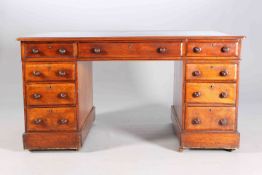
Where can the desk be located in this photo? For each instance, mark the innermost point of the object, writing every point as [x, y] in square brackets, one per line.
[57, 83]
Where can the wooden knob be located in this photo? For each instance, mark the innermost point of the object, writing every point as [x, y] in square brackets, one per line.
[38, 121]
[61, 73]
[37, 73]
[223, 73]
[162, 50]
[196, 121]
[222, 122]
[225, 49]
[36, 96]
[196, 49]
[62, 121]
[196, 73]
[223, 95]
[96, 50]
[196, 94]
[35, 51]
[62, 95]
[62, 51]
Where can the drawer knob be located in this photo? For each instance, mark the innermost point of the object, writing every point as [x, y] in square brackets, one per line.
[162, 50]
[62, 121]
[222, 122]
[196, 121]
[38, 121]
[196, 94]
[223, 73]
[196, 73]
[61, 73]
[62, 51]
[37, 73]
[36, 96]
[223, 95]
[196, 49]
[225, 49]
[96, 50]
[35, 51]
[62, 95]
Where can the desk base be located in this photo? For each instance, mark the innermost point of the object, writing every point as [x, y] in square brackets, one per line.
[204, 139]
[59, 140]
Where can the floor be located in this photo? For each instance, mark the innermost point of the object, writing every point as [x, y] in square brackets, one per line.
[137, 140]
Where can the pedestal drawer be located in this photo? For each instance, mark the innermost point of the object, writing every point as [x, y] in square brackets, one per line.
[48, 50]
[211, 72]
[212, 48]
[210, 118]
[50, 94]
[49, 71]
[51, 119]
[211, 93]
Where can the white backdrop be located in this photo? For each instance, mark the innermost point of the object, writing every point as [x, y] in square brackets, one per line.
[132, 93]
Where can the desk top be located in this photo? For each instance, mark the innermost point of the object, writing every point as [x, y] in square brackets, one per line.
[118, 35]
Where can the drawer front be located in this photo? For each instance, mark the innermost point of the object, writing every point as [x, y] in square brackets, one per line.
[211, 72]
[130, 50]
[50, 94]
[51, 119]
[210, 118]
[48, 50]
[211, 93]
[49, 72]
[212, 49]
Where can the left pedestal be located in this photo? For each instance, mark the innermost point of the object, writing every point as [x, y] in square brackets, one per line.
[58, 96]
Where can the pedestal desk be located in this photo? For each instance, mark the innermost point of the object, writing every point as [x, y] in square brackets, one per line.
[57, 83]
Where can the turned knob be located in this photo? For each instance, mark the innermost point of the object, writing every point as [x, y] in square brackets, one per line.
[62, 121]
[36, 73]
[222, 122]
[223, 73]
[196, 73]
[162, 50]
[225, 49]
[223, 95]
[61, 73]
[196, 94]
[62, 51]
[36, 96]
[196, 121]
[35, 51]
[62, 95]
[196, 49]
[38, 121]
[96, 50]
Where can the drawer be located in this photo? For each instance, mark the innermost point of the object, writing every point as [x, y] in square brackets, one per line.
[130, 50]
[51, 94]
[211, 72]
[51, 119]
[210, 118]
[49, 71]
[211, 93]
[48, 50]
[212, 49]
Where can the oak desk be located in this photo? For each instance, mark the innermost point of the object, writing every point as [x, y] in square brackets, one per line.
[57, 83]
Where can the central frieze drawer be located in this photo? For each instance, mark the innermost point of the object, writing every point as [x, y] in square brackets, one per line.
[211, 93]
[130, 50]
[51, 94]
[51, 119]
